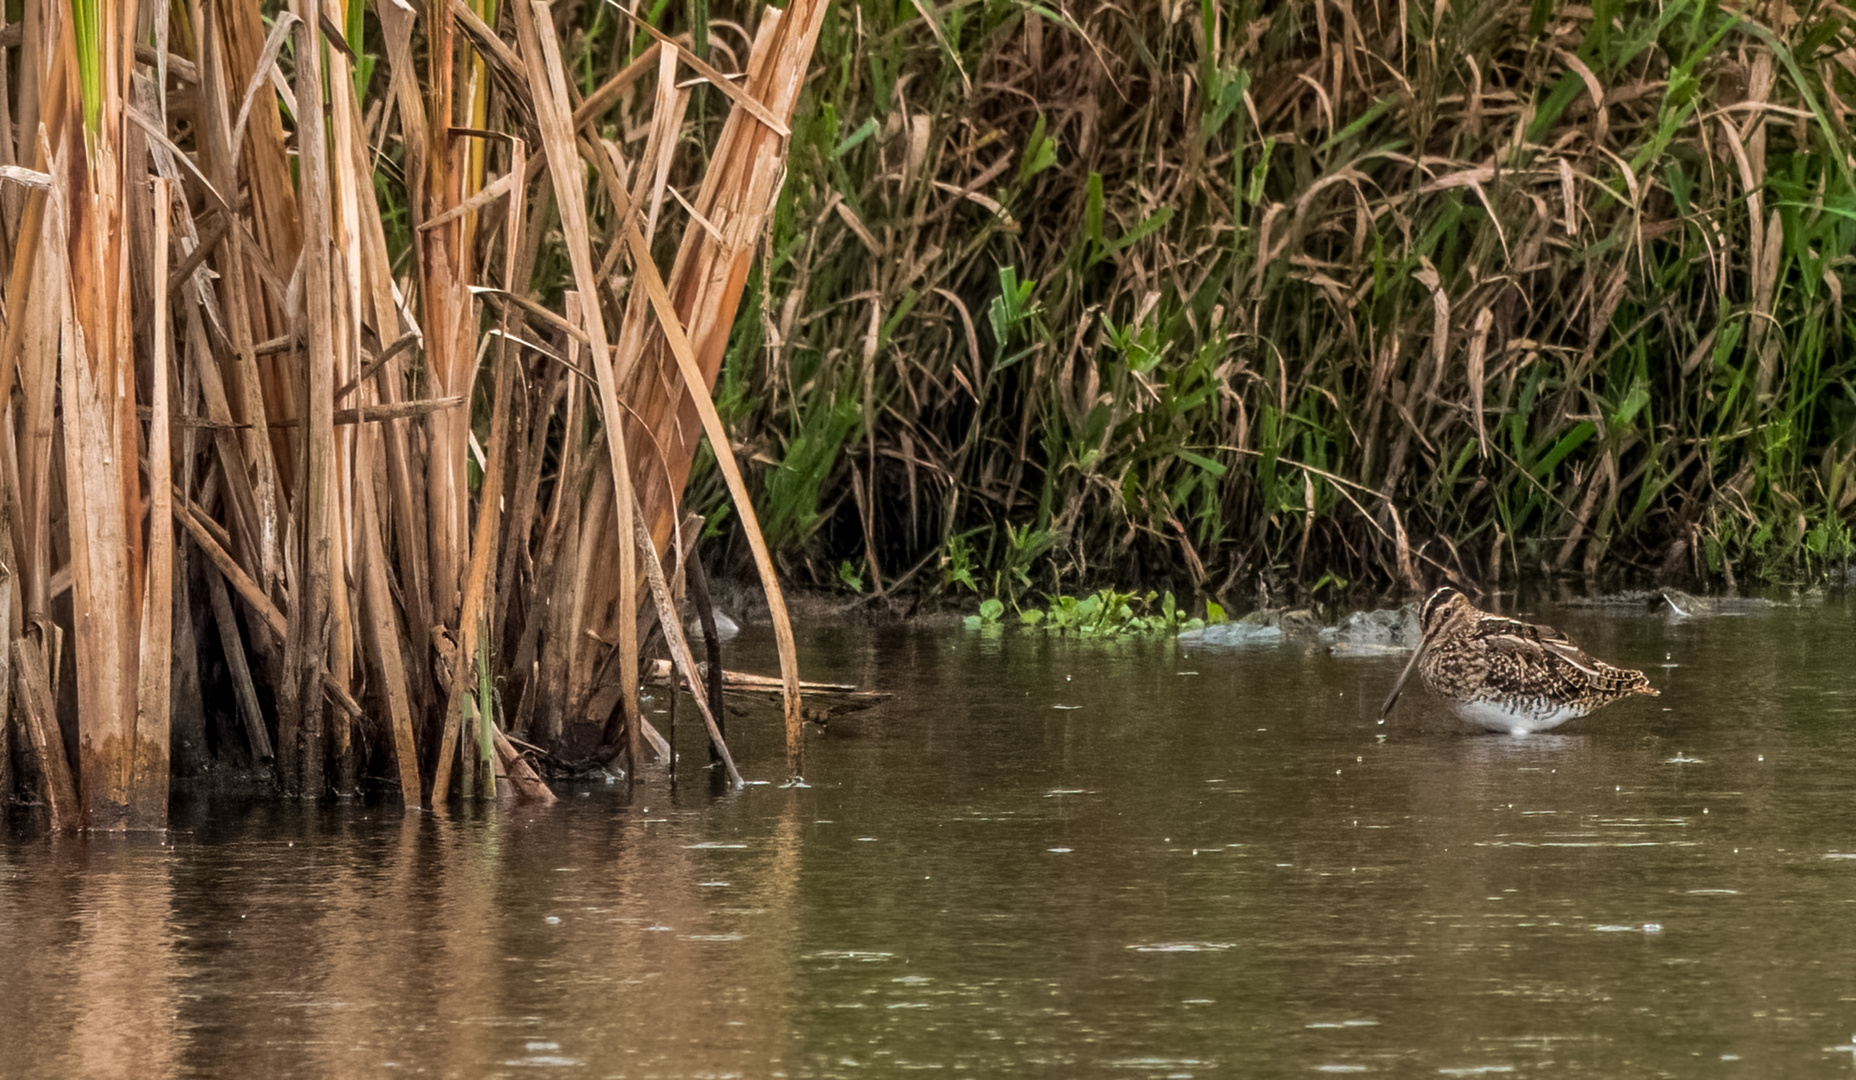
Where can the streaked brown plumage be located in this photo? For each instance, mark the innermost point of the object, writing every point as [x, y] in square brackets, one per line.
[1509, 675]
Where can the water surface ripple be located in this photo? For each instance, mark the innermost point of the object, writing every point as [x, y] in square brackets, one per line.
[1044, 858]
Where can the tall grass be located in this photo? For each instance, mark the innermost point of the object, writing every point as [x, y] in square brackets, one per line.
[1198, 293]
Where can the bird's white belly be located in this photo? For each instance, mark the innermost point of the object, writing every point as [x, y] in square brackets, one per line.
[1508, 719]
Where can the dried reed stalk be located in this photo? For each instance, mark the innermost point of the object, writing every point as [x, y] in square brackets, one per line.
[148, 798]
[233, 279]
[91, 195]
[675, 371]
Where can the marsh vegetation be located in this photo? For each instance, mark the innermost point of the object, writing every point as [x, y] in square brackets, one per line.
[1187, 294]
[318, 317]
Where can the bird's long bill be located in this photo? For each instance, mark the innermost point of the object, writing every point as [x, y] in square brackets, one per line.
[1399, 686]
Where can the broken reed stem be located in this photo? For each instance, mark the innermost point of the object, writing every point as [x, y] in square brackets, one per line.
[672, 628]
[698, 580]
[718, 439]
[486, 713]
[243, 689]
[477, 574]
[39, 716]
[521, 775]
[148, 796]
[381, 638]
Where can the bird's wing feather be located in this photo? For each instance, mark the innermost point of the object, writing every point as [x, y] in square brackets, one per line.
[1573, 655]
[1512, 635]
[1497, 626]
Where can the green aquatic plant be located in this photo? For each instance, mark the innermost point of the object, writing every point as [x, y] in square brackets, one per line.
[1105, 613]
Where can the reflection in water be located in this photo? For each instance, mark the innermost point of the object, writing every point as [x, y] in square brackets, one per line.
[122, 960]
[1043, 858]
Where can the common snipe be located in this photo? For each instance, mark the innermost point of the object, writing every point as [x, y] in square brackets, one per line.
[1508, 675]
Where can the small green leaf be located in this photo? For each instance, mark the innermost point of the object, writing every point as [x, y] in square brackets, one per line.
[1634, 400]
[1259, 172]
[1330, 578]
[851, 141]
[1141, 231]
[1569, 442]
[1203, 462]
[1817, 541]
[1040, 152]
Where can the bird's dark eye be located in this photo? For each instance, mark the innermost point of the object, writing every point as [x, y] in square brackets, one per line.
[1433, 607]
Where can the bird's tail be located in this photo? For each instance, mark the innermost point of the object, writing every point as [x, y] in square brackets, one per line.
[1625, 681]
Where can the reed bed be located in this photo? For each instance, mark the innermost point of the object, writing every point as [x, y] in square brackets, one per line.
[317, 320]
[1205, 295]
[347, 398]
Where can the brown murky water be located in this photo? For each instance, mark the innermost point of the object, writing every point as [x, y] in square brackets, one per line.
[1045, 858]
